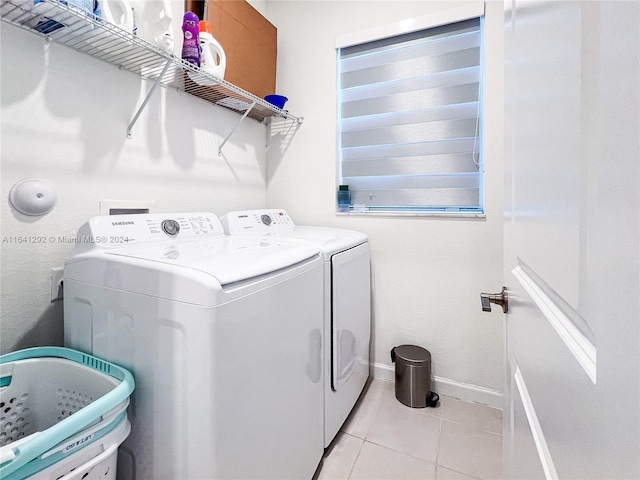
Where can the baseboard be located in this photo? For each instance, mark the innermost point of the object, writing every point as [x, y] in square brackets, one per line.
[446, 386]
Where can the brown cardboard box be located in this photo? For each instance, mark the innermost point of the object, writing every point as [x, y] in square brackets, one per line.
[249, 40]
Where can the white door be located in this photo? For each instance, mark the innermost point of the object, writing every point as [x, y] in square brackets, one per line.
[572, 228]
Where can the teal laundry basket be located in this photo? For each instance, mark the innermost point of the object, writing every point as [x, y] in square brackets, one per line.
[62, 413]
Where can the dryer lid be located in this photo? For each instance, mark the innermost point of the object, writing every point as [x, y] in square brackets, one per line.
[270, 223]
[329, 240]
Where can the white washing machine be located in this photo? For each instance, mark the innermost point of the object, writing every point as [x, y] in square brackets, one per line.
[223, 336]
[347, 302]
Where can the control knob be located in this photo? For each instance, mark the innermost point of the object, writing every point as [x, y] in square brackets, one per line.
[170, 227]
[266, 219]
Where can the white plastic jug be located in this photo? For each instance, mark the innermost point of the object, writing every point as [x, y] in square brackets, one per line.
[153, 22]
[119, 13]
[213, 60]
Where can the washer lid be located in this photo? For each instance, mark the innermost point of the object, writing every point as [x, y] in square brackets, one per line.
[228, 259]
[412, 355]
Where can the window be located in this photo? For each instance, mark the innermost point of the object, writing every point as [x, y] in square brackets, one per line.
[410, 120]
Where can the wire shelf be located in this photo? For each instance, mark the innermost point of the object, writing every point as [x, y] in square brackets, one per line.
[73, 27]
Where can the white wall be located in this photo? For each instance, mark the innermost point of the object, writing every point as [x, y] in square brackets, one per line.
[64, 118]
[427, 272]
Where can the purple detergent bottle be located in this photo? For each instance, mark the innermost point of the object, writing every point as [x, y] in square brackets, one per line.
[191, 44]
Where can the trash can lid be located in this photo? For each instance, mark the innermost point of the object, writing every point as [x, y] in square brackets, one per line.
[413, 354]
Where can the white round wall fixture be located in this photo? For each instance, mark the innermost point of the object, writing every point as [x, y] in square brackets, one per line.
[33, 197]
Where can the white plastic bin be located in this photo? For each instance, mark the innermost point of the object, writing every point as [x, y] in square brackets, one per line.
[61, 412]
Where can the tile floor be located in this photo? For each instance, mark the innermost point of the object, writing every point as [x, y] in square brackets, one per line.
[384, 440]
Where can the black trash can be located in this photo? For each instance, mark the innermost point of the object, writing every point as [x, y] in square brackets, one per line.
[413, 376]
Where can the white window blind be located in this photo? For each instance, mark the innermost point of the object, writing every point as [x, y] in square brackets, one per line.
[410, 120]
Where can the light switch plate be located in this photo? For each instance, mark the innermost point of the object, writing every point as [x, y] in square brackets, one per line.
[115, 207]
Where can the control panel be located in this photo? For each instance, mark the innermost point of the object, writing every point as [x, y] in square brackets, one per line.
[121, 230]
[249, 223]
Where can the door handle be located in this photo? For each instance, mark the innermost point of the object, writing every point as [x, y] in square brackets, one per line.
[501, 299]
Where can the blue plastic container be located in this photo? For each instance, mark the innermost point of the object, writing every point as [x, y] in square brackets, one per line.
[344, 198]
[276, 100]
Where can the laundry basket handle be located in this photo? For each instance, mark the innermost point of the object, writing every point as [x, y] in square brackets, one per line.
[41, 442]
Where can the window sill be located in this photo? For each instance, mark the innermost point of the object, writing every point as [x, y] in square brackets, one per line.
[413, 214]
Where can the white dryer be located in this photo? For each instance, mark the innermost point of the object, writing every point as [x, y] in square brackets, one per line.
[347, 302]
[223, 336]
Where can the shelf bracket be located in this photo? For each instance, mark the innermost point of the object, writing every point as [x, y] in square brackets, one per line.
[294, 123]
[147, 98]
[236, 127]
